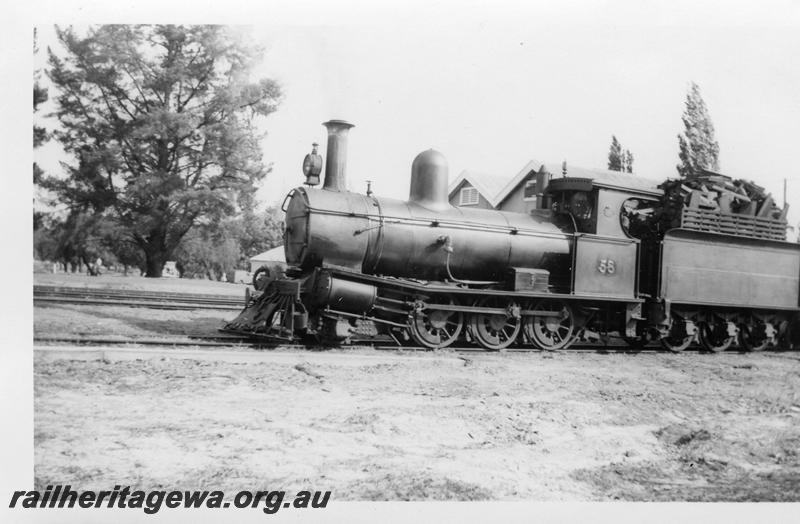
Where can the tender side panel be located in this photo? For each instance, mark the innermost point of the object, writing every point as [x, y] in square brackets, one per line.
[605, 266]
[705, 268]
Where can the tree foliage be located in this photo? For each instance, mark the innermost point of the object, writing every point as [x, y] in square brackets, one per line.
[627, 163]
[619, 159]
[39, 98]
[75, 241]
[213, 250]
[615, 155]
[162, 122]
[207, 253]
[698, 149]
[260, 233]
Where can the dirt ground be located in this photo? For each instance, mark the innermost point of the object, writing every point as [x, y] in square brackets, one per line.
[375, 425]
[55, 319]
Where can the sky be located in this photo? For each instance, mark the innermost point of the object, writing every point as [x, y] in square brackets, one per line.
[495, 88]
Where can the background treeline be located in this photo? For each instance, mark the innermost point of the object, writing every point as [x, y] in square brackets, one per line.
[211, 251]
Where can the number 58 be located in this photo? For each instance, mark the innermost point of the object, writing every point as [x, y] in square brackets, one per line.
[606, 266]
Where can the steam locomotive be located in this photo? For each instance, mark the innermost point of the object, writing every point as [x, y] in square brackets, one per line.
[594, 264]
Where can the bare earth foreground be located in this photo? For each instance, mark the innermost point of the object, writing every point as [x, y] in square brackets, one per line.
[387, 427]
[372, 425]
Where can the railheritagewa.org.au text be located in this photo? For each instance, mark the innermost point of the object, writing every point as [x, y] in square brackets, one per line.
[153, 501]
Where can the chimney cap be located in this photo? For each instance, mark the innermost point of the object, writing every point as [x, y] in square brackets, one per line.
[338, 123]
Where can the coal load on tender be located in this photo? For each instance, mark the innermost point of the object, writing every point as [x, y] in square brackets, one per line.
[714, 202]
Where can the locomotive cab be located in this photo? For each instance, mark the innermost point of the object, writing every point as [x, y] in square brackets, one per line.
[598, 207]
[603, 215]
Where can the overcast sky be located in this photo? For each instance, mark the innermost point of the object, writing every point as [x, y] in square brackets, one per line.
[494, 88]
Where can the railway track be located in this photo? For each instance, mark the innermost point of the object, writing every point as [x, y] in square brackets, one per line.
[131, 298]
[193, 301]
[221, 341]
[234, 342]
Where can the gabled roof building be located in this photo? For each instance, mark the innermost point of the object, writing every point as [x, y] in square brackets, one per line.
[524, 191]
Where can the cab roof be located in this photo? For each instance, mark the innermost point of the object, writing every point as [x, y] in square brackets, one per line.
[591, 178]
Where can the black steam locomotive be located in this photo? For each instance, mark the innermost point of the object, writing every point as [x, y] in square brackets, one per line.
[602, 260]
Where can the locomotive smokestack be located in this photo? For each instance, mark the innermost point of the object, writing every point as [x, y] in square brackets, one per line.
[336, 161]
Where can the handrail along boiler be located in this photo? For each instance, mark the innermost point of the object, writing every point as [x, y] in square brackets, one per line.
[425, 272]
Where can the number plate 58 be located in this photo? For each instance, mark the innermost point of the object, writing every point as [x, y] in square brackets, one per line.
[606, 266]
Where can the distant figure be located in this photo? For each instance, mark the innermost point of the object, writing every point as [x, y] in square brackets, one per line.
[98, 265]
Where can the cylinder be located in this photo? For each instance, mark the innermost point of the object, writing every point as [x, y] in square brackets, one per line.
[344, 295]
[429, 180]
[336, 161]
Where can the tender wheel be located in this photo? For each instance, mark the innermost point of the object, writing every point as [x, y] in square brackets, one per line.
[495, 332]
[555, 330]
[678, 339]
[753, 337]
[436, 328]
[714, 336]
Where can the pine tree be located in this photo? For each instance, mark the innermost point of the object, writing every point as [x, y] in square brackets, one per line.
[698, 149]
[627, 161]
[615, 155]
[619, 159]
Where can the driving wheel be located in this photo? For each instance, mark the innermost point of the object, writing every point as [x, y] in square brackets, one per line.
[495, 331]
[550, 324]
[436, 328]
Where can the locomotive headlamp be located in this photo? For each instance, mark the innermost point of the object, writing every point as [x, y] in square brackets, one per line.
[312, 166]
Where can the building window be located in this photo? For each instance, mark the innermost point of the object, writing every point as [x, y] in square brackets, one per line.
[529, 192]
[469, 196]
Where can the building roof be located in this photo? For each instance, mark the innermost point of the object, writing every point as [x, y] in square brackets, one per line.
[495, 188]
[487, 184]
[531, 165]
[272, 255]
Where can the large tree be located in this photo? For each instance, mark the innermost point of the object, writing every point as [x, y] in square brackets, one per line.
[698, 149]
[163, 124]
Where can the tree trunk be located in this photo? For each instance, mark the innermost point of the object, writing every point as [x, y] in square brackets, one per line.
[91, 269]
[156, 252]
[154, 261]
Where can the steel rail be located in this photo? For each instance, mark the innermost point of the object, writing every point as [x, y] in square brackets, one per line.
[222, 341]
[155, 300]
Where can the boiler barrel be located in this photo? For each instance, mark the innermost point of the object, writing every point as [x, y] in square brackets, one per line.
[403, 239]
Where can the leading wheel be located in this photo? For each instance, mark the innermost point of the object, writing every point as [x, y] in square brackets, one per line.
[714, 336]
[495, 331]
[550, 324]
[436, 328]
